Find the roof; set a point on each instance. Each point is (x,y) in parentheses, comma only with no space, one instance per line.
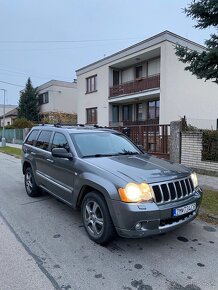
(12,113)
(154,40)
(57,83)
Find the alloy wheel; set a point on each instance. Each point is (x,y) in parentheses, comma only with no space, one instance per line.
(93,218)
(29,182)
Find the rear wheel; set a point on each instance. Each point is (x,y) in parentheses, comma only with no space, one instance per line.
(30,185)
(96,218)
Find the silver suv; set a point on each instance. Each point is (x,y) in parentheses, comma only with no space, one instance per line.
(119,188)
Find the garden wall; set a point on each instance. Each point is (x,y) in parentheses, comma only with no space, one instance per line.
(191,153)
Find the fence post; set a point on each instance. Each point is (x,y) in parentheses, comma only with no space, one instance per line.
(25,132)
(14,136)
(175,141)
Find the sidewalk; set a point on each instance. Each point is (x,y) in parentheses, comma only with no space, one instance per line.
(208,182)
(14,145)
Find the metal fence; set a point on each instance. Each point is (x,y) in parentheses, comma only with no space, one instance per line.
(14,135)
(154,138)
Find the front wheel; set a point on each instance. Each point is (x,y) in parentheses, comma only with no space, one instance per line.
(30,185)
(96,218)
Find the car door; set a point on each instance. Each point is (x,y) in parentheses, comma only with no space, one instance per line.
(42,156)
(61,170)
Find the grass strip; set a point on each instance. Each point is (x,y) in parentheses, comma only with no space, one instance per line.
(209,206)
(11,151)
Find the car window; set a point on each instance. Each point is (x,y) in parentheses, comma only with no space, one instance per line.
(43,140)
(32,137)
(106,143)
(60,141)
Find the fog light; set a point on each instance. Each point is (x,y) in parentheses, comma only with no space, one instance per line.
(138,226)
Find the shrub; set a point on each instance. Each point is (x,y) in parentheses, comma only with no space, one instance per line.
(210,146)
(22,123)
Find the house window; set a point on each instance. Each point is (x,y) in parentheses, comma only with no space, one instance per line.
(91,84)
(139,112)
(43,98)
(153,109)
(138,72)
(153,67)
(127,113)
(115,113)
(116,77)
(91,116)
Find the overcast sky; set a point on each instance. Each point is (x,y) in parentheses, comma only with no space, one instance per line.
(50,39)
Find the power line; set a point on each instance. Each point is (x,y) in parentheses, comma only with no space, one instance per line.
(66,41)
(11,84)
(42,77)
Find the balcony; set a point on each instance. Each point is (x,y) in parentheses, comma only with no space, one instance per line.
(135,86)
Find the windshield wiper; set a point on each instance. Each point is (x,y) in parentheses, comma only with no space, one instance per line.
(99,155)
(109,155)
(128,153)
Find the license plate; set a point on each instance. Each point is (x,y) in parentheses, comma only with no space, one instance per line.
(184,209)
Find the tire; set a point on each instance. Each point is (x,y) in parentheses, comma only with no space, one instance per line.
(96,218)
(30,185)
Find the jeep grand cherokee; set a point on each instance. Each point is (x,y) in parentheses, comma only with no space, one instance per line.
(119,188)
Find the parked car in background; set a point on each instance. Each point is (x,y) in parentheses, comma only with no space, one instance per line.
(119,188)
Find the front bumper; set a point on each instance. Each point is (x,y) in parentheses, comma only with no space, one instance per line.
(154,219)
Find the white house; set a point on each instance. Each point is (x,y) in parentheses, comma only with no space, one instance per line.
(58,96)
(146,83)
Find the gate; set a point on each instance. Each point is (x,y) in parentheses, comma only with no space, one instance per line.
(154,138)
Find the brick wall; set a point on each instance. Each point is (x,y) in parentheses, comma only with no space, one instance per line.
(191,148)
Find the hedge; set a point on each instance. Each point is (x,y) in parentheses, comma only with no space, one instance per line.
(210,146)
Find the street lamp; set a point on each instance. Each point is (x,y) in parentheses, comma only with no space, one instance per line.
(3,132)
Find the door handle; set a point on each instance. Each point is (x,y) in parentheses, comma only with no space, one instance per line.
(33,153)
(50,160)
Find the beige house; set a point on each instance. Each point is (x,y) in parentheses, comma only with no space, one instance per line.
(146,83)
(57,97)
(10,114)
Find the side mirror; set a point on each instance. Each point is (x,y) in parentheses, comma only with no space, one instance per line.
(61,153)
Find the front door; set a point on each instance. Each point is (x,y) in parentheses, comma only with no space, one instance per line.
(61,171)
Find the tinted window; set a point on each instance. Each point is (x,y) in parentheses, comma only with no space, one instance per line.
(43,140)
(60,141)
(32,137)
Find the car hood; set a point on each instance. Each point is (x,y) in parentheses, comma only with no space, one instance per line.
(140,168)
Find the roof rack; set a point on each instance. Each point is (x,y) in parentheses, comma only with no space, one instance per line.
(61,125)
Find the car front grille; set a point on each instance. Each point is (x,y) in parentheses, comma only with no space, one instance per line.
(173,190)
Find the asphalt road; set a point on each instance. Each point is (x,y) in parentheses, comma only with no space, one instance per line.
(43,241)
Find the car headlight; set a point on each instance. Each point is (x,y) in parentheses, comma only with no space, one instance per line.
(136,193)
(194,179)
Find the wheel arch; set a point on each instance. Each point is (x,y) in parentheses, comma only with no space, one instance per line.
(84,191)
(105,189)
(26,164)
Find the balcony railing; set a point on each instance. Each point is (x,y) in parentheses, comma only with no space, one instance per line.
(134,123)
(137,85)
(144,122)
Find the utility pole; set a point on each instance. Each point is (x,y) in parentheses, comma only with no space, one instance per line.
(3,144)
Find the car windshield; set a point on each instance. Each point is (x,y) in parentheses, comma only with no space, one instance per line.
(102,144)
